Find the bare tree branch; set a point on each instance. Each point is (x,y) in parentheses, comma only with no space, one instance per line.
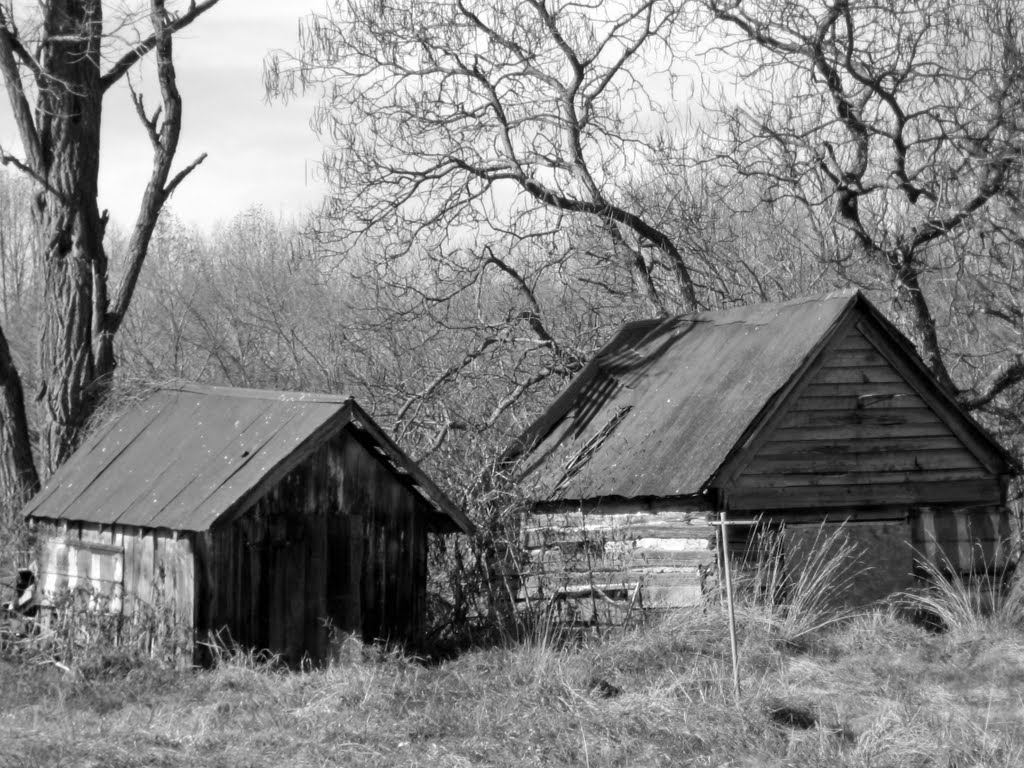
(139,51)
(889,114)
(60,70)
(1008,375)
(165,146)
(435,107)
(9,46)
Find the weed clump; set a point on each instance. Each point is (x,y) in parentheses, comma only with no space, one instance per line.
(967,605)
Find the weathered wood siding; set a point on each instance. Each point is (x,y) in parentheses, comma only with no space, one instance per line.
(860,434)
(966,540)
(889,545)
(338,544)
(394,553)
(279,576)
(605,560)
(144,574)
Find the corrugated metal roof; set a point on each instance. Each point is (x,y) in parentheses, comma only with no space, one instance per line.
(186,456)
(664,403)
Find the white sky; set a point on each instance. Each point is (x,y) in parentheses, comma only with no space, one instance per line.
(258,153)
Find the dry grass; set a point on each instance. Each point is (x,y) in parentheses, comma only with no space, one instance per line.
(874,690)
(794,606)
(969,606)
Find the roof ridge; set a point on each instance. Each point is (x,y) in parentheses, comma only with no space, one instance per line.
(701,316)
(796,301)
(259,394)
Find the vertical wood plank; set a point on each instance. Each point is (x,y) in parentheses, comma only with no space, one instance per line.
(258,592)
(146,584)
(243,610)
(131,572)
(186,591)
(354,547)
(319,615)
(201,591)
(296,593)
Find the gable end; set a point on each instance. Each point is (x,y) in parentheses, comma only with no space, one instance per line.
(973,437)
(865,427)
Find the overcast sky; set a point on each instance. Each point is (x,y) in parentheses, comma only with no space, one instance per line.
(259,153)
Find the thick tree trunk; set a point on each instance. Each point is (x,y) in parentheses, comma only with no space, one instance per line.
(66,364)
(18,477)
(70,228)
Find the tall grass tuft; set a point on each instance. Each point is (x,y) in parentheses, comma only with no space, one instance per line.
(796,603)
(968,605)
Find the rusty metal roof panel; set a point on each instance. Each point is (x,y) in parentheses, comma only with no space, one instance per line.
(665,402)
(185,457)
(103,449)
(264,444)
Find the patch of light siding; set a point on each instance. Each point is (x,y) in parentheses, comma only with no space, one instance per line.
(672,545)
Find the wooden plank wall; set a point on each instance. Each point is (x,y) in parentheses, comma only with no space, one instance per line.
(338,545)
(156,580)
(278,577)
(394,553)
(889,545)
(606,561)
(859,434)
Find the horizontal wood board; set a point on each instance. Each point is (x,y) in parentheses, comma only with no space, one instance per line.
(859,433)
(608,562)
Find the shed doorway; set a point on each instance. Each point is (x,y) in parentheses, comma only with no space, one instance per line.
(859,561)
(877,556)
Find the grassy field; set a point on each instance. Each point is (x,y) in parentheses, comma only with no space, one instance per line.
(870,691)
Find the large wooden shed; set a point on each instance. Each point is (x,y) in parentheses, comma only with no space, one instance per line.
(803,415)
(264,519)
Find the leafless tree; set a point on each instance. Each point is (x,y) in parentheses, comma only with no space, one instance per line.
(473,119)
(59,63)
(899,126)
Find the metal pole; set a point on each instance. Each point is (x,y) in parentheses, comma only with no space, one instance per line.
(723,529)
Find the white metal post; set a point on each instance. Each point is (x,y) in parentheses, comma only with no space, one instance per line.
(723,530)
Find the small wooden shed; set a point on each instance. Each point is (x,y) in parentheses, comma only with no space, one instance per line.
(262,518)
(804,415)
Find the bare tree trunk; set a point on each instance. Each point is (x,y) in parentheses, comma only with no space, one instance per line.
(66,364)
(18,477)
(61,140)
(69,227)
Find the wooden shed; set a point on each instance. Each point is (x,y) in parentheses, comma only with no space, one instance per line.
(266,519)
(803,415)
